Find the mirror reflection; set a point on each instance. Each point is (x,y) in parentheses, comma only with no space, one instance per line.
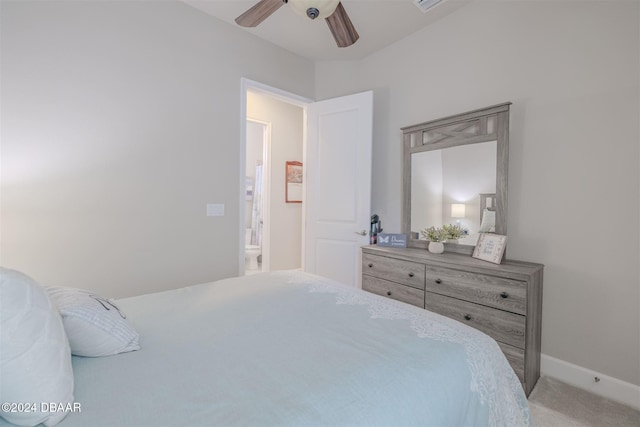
(455,185)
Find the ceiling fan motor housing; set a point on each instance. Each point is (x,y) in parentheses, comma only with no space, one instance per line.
(314,9)
(313,13)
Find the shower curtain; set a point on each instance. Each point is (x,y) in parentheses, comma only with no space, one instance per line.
(256,214)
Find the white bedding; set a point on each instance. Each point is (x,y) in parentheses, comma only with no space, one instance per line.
(292,349)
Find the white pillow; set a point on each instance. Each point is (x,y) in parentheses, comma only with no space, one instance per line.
(488,222)
(35,361)
(95,325)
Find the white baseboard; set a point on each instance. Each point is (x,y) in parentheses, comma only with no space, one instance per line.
(577,376)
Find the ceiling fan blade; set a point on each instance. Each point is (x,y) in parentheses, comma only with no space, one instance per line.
(341,27)
(258,13)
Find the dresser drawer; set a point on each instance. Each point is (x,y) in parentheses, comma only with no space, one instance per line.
(502,326)
(498,292)
(393,290)
(515,357)
(400,271)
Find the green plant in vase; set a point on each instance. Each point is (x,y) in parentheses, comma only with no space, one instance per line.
(433,234)
(452,232)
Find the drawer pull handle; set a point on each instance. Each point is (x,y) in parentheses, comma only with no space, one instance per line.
(504,295)
(410,274)
(467,317)
(370,265)
(438,281)
(388,293)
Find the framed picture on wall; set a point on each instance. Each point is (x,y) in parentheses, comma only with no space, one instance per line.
(293,177)
(490,247)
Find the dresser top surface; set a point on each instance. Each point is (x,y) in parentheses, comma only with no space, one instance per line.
(454,260)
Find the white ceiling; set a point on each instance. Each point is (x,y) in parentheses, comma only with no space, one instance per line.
(379,23)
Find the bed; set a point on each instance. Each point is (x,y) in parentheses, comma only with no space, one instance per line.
(292,349)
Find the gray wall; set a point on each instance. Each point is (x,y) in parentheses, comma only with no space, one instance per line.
(571,70)
(120,122)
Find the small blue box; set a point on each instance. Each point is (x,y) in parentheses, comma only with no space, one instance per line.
(392,240)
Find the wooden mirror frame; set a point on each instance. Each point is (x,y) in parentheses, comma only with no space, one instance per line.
(471,127)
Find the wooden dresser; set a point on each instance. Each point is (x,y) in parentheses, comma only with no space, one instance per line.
(504,301)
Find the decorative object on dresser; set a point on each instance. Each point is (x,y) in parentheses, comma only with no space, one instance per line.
(392,240)
(375,229)
(435,236)
(503,301)
(490,247)
(436,247)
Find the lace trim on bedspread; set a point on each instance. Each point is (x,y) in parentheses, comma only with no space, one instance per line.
(499,392)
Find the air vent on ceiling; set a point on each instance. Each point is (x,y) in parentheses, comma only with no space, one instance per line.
(426,5)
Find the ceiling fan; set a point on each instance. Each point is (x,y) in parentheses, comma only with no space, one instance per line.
(332,11)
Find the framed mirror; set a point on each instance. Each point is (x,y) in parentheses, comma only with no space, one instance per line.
(455,173)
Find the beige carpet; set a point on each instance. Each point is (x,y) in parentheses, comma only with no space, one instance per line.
(556,404)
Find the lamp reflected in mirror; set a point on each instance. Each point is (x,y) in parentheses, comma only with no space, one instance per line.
(458,211)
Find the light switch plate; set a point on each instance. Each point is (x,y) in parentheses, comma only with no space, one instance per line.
(215,209)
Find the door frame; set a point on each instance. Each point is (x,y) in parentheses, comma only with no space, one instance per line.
(248,85)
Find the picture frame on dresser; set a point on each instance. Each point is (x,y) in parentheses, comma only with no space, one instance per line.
(490,247)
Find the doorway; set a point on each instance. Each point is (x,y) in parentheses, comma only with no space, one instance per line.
(271,234)
(256,220)
(335,139)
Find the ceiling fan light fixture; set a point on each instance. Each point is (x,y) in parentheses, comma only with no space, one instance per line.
(314,9)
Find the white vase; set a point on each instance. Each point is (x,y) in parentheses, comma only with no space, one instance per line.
(436,247)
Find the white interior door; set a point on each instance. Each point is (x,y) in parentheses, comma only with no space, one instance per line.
(337,200)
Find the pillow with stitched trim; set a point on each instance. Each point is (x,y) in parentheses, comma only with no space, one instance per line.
(35,361)
(94,325)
